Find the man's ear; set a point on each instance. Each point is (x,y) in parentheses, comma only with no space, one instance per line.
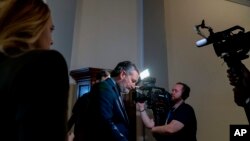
(123,74)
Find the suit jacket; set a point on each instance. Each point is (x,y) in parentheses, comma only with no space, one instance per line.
(108,118)
(34,91)
(78,117)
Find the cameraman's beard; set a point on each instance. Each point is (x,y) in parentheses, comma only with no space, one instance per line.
(176,100)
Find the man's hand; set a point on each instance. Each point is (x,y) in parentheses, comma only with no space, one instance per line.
(241,83)
(141,106)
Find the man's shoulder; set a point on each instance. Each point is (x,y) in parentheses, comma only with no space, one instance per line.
(104,87)
(186,106)
(108,83)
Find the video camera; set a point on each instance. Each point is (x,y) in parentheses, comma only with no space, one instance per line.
(156,98)
(230,46)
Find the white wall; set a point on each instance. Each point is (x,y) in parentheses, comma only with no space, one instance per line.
(155,54)
(107,32)
(211,94)
(63,16)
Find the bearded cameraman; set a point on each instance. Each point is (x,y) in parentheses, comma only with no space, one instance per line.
(180,124)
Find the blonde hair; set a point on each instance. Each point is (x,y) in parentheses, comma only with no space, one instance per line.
(22,22)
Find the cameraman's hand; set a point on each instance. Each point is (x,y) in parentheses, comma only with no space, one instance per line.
(141,106)
(242,78)
(241,83)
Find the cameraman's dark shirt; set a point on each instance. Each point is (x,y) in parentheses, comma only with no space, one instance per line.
(184,114)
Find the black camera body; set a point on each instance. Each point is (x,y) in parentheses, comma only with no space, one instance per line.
(156,98)
(232,47)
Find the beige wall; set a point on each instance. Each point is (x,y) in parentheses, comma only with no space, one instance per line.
(211,94)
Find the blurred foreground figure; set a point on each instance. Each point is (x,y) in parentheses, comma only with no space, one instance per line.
(241,83)
(34,80)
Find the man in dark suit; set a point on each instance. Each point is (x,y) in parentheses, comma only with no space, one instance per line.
(107,118)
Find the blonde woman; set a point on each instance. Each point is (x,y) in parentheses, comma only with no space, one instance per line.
(33,79)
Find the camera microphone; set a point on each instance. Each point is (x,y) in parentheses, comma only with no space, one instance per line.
(202,42)
(207,41)
(213,38)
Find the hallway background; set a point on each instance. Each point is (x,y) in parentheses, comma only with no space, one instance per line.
(156,34)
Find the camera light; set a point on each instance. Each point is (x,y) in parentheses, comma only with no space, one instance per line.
(144,74)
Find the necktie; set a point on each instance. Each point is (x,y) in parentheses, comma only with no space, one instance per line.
(121,102)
